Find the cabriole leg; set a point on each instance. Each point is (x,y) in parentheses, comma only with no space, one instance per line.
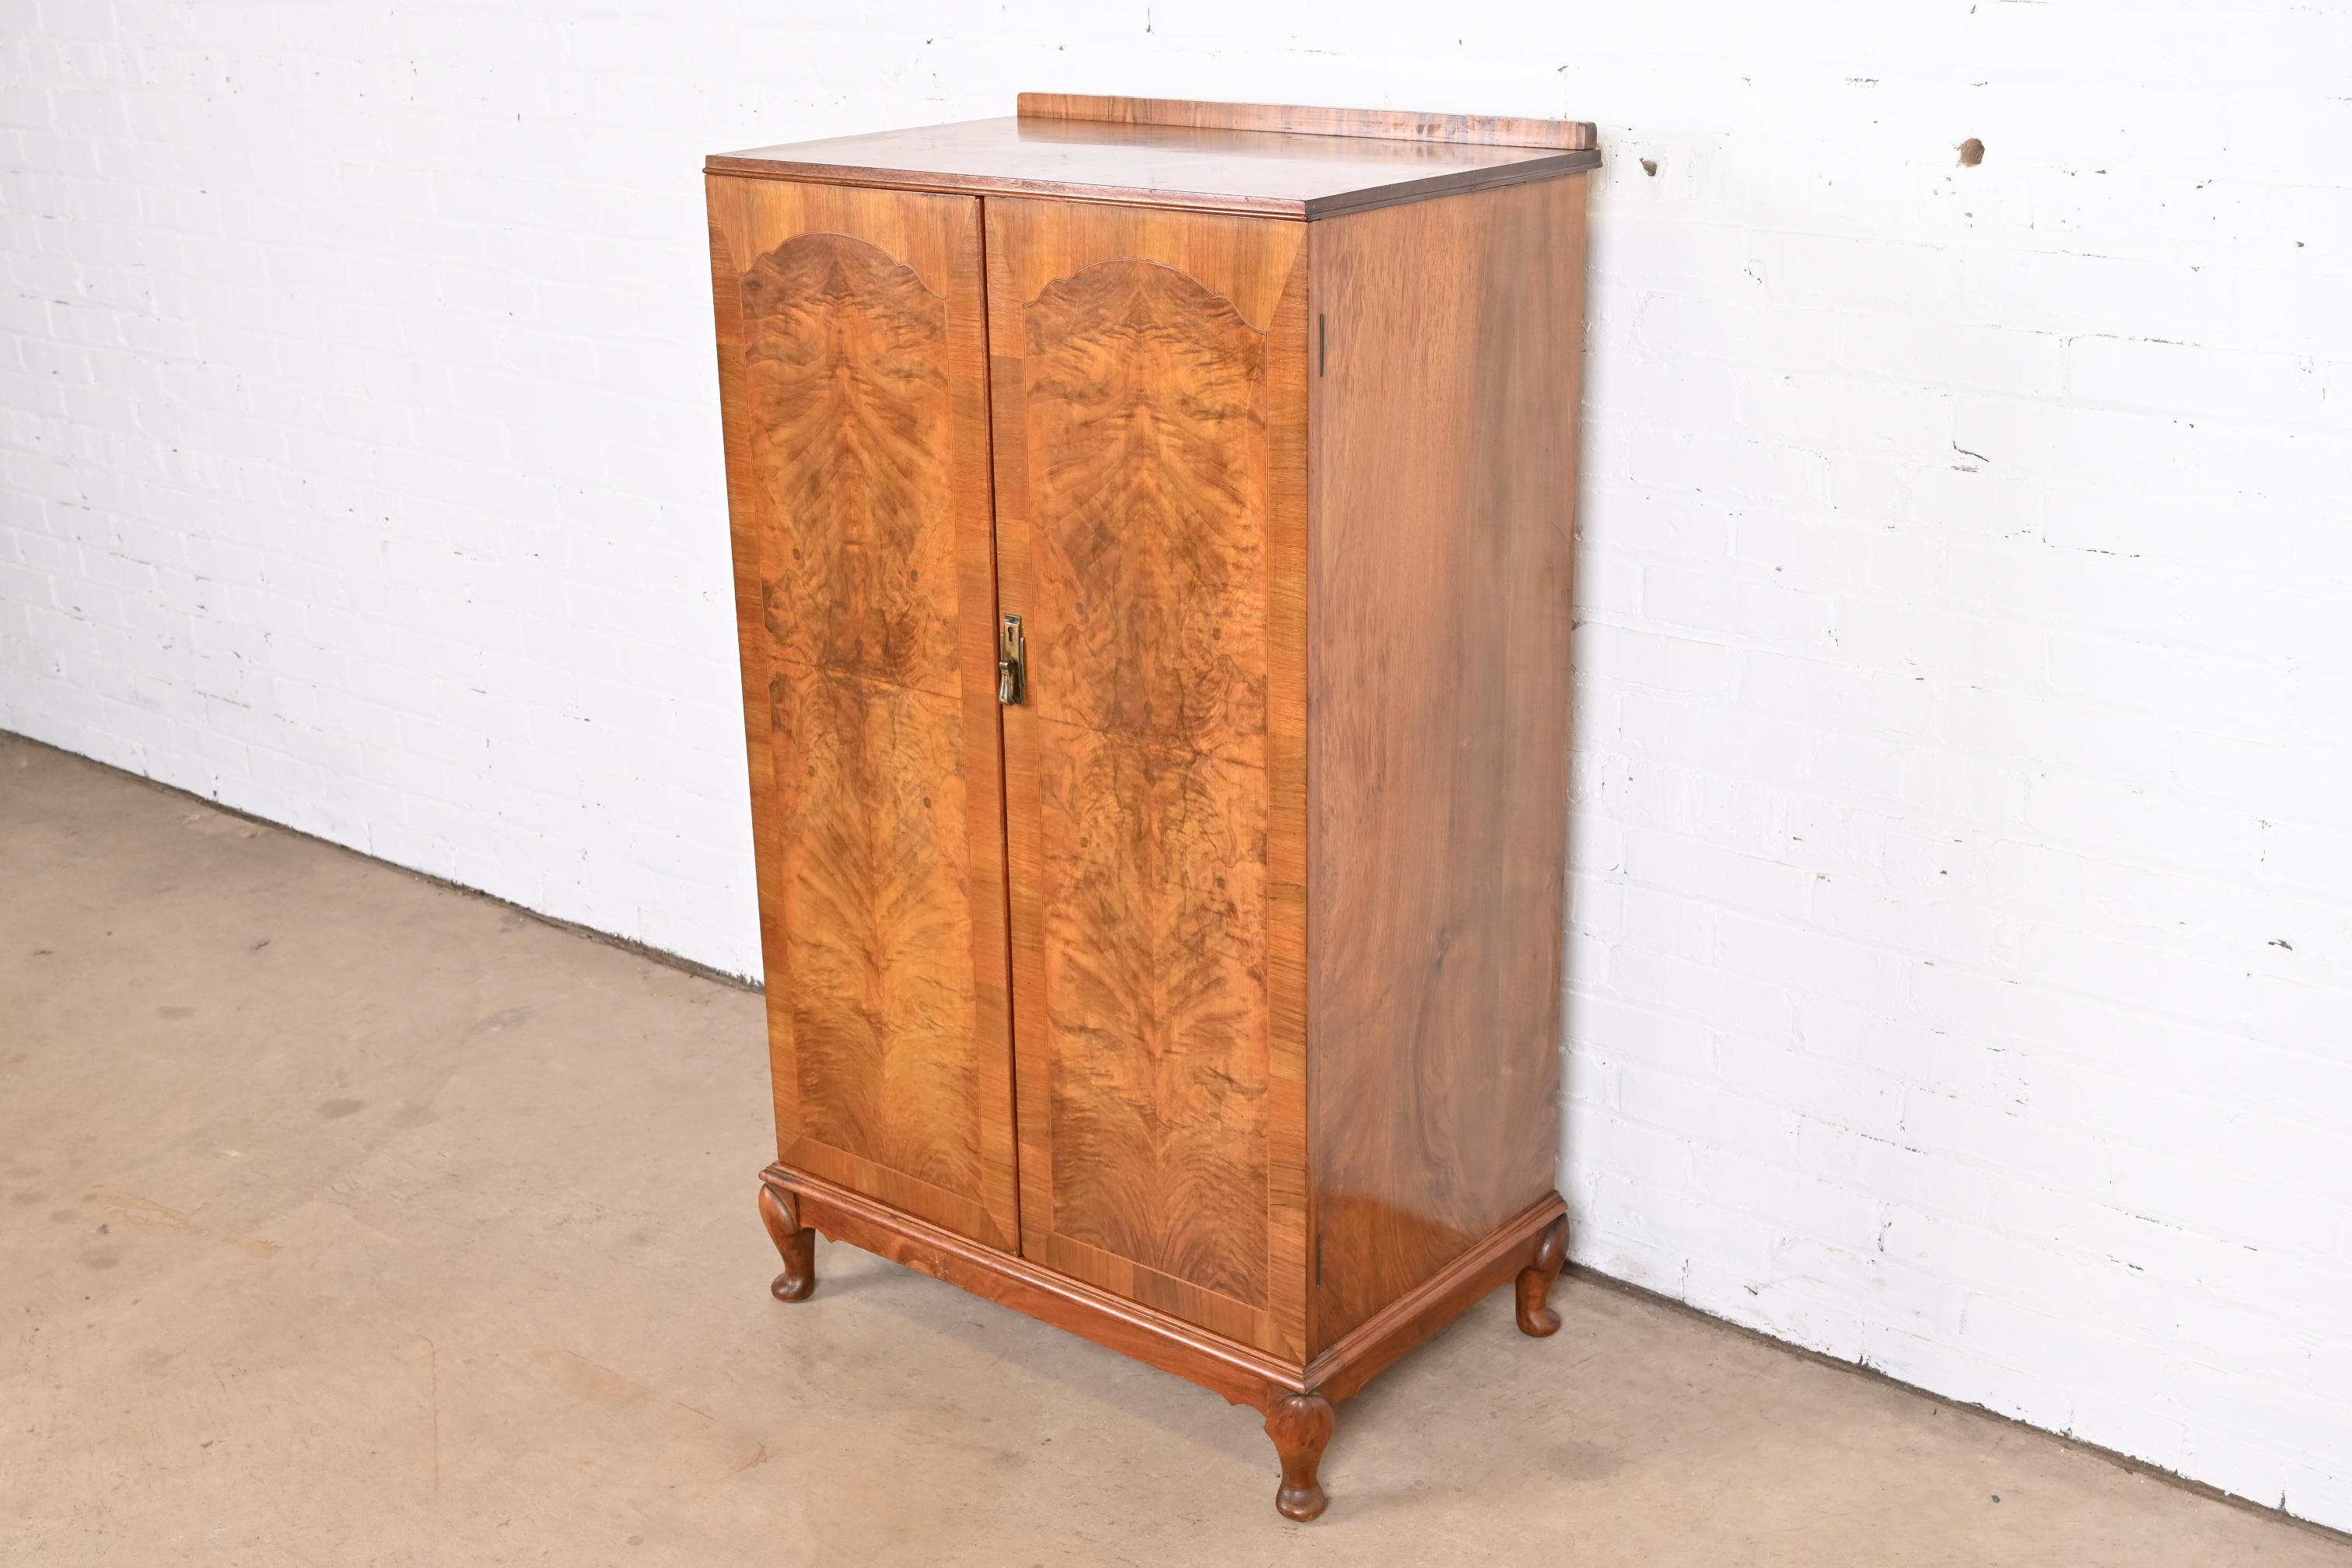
(795,1241)
(1535,1316)
(1300,1424)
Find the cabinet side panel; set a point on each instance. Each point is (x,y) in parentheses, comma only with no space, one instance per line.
(852,375)
(1443,486)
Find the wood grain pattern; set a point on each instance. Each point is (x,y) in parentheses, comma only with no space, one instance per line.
(1240,1373)
(1261,172)
(1145,395)
(851,377)
(1536,1319)
(1300,1426)
(1148,373)
(1154,906)
(1444,485)
(1413,1319)
(795,1243)
(1275,789)
(1397,124)
(845,365)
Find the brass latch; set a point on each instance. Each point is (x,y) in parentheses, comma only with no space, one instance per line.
(1012,660)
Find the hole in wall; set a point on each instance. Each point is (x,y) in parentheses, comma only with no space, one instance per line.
(1650,168)
(1971,152)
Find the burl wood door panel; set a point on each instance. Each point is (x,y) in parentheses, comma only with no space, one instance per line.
(1149,412)
(853,371)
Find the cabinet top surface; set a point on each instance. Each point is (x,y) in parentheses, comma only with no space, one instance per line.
(1276,160)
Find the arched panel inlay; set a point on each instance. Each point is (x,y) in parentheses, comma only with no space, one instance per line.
(846,353)
(1147,482)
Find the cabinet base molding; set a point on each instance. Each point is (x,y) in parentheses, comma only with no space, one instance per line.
(1416,1316)
(1535,1238)
(1244,1375)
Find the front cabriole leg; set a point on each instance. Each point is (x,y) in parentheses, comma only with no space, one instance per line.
(781,1213)
(1535,1316)
(1300,1424)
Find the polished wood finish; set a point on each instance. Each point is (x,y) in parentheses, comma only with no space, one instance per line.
(1204,1000)
(1377,1343)
(1243,1374)
(795,1243)
(1535,1316)
(1443,454)
(1203,167)
(1396,125)
(853,373)
(1300,1426)
(1150,420)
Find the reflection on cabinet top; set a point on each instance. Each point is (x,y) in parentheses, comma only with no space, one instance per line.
(1274,160)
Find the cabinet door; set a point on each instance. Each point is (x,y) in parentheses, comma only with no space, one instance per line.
(1149,402)
(852,368)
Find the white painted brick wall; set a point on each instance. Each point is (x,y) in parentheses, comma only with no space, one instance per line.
(1961,944)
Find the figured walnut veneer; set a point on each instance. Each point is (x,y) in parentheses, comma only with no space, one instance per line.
(1140,433)
(1204,1000)
(853,377)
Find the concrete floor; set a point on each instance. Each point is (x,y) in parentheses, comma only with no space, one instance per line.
(348,1219)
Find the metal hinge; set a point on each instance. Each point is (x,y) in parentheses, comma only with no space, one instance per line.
(1012,660)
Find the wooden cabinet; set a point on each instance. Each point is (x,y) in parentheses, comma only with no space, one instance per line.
(1152,529)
